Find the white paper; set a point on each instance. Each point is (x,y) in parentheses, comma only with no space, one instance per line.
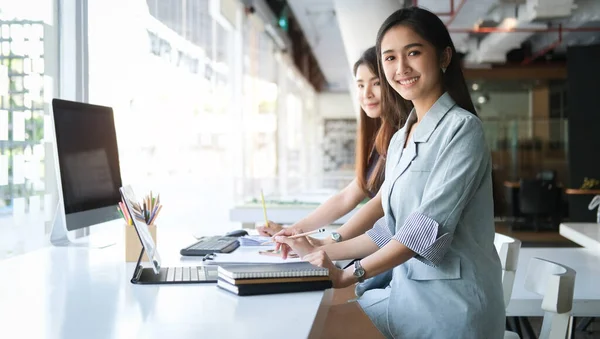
(254,240)
(249,255)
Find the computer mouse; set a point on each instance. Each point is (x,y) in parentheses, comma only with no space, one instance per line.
(237,233)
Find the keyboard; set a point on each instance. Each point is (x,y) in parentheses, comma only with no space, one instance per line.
(200,273)
(175,275)
(212,244)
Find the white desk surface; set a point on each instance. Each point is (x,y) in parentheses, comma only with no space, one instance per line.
(582,233)
(85,293)
(59,292)
(586,300)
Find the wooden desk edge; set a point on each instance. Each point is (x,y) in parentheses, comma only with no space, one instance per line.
(581,191)
(512,184)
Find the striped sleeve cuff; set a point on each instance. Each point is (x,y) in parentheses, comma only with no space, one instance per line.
(380,233)
(420,234)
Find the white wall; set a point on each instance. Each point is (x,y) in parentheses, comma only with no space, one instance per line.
(336,105)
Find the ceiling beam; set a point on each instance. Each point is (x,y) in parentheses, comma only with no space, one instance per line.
(530,72)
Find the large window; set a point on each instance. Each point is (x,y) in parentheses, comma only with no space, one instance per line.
(28,68)
(259,112)
(207,113)
(165,68)
(198,106)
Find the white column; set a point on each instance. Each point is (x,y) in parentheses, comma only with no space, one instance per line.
(282,84)
(359,21)
(236,147)
(72,85)
(73,35)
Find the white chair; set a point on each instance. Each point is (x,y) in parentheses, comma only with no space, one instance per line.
(508,250)
(555,282)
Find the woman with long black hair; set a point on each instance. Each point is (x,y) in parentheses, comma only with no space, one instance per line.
(437,233)
(373,139)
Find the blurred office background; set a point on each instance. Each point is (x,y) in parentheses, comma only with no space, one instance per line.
(215,100)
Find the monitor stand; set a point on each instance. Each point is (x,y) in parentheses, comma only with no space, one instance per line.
(60,237)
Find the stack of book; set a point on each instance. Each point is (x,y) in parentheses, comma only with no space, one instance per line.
(275,278)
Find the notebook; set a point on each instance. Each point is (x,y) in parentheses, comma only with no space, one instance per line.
(273,288)
(288,270)
(270,280)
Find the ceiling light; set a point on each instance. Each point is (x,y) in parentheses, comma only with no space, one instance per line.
(482,99)
(475,86)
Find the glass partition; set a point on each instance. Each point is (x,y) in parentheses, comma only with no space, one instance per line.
(523,148)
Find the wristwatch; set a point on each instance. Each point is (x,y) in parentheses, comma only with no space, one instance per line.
(336,237)
(359,271)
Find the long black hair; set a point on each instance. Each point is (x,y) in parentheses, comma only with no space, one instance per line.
(370,130)
(432,29)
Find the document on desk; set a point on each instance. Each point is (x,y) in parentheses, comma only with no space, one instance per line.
(248,255)
(253,240)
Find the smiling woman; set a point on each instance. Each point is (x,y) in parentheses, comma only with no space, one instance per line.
(422,69)
(437,233)
(373,138)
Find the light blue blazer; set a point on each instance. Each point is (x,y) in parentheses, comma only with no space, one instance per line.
(437,198)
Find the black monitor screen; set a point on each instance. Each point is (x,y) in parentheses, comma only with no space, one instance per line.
(87,154)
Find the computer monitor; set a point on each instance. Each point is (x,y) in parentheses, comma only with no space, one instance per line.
(88,164)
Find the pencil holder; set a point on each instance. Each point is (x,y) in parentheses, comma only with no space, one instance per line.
(133,246)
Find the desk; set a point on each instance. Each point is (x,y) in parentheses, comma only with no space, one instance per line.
(586,300)
(578,191)
(579,200)
(585,234)
(85,293)
(517,184)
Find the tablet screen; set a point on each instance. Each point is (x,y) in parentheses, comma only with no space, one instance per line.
(134,210)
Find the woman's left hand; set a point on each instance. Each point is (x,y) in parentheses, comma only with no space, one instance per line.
(321,259)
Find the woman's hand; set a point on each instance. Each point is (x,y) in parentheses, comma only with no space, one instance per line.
(337,276)
(318,242)
(273,228)
(299,245)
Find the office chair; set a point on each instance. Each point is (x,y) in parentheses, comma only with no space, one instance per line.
(547,176)
(511,199)
(556,284)
(539,198)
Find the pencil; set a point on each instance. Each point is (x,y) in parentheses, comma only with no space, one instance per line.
(262,197)
(155,215)
(126,215)
(320,230)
